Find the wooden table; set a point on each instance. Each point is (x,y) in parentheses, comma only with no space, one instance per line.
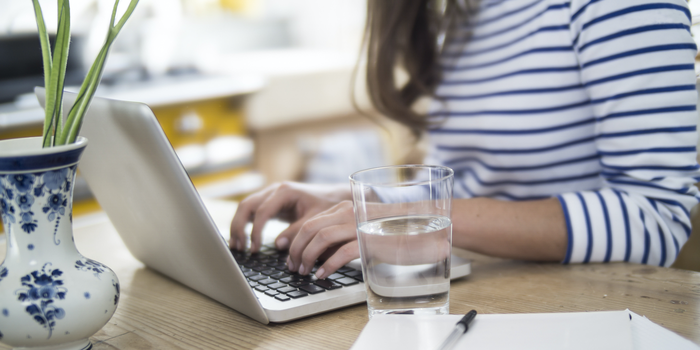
(157,313)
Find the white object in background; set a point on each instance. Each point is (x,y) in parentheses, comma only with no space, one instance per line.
(228,149)
(333,157)
(234,186)
(191,156)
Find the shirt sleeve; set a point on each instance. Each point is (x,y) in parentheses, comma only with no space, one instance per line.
(637,65)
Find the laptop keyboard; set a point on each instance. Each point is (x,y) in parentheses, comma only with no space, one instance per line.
(267,272)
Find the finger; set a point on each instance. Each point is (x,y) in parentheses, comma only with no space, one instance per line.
(284,239)
(311,227)
(329,252)
(283,196)
(345,254)
(244,213)
(240,219)
(304,236)
(325,238)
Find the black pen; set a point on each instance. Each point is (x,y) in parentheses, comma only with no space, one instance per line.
(460,328)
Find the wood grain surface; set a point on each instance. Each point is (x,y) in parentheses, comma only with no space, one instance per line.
(156,312)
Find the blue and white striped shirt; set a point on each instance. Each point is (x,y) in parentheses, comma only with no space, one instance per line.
(592,101)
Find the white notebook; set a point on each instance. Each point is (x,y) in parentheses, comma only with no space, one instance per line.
(618,330)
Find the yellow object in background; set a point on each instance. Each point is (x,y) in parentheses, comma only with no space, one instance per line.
(240,6)
(201,121)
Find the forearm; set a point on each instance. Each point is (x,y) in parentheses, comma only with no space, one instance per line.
(528,230)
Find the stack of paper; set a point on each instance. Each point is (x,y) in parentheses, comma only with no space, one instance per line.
(619,330)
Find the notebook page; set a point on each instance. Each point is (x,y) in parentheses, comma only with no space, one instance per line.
(555,331)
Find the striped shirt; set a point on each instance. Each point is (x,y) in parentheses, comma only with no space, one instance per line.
(589,101)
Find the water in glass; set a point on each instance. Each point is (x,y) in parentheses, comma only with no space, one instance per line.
(406,263)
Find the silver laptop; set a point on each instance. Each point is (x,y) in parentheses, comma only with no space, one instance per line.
(138,180)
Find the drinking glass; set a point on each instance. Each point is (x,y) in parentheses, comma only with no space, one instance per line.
(405,237)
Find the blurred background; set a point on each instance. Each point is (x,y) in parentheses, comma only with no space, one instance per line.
(249,92)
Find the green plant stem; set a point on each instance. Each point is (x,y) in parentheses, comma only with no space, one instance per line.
(56,131)
(46,55)
(60,61)
(92,80)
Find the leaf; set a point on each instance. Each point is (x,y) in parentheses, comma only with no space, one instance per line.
(58,71)
(33,309)
(46,55)
(40,320)
(87,90)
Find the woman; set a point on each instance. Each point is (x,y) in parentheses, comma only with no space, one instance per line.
(571,127)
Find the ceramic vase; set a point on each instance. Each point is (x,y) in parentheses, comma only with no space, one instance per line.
(51,297)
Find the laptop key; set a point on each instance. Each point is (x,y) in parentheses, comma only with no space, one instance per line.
(250,273)
(269,272)
(353,273)
(327,284)
(312,289)
(279,275)
(261,288)
(286,289)
(347,281)
(277,285)
(257,278)
(299,283)
(267,281)
(359,278)
(282,297)
(287,279)
(298,278)
(297,294)
(345,269)
(271,292)
(253,284)
(335,276)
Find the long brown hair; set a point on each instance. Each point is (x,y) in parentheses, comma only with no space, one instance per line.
(405,34)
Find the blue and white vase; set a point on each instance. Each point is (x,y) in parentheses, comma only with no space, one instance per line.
(51,297)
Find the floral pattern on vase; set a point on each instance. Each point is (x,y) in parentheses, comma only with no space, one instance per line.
(3,273)
(116,296)
(43,290)
(90,265)
(25,189)
(40,290)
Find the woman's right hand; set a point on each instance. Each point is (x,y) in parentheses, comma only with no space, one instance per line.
(289,201)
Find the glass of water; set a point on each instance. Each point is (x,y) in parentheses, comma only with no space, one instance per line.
(405,236)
